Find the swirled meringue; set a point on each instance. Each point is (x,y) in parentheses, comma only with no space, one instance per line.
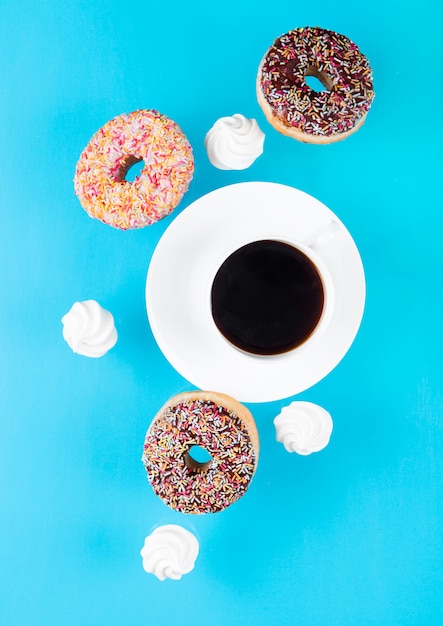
(303,427)
(234,143)
(89,329)
(169,552)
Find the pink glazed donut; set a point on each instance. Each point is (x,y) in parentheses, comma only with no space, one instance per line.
(146,136)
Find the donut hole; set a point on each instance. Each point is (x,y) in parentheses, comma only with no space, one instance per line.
(317,79)
(131,168)
(198,458)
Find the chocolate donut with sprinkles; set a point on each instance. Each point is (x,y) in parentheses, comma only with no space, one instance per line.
(100,176)
(293,107)
(227,432)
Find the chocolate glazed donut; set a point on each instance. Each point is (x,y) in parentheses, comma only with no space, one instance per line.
(297,110)
(213,421)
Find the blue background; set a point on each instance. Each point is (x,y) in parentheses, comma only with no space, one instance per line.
(352,535)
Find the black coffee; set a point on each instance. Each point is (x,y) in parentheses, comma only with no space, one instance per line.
(267,297)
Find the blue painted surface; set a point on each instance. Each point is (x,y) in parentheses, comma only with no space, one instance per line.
(350,536)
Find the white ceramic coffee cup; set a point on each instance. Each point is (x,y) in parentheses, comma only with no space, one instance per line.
(311,247)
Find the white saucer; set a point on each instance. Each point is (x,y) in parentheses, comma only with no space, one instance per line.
(180,277)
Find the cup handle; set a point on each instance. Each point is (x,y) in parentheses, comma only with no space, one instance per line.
(323,236)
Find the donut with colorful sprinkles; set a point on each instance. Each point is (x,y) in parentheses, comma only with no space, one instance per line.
(299,111)
(100,176)
(220,425)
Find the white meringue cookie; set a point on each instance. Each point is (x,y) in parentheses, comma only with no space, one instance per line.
(234,143)
(303,427)
(89,329)
(169,552)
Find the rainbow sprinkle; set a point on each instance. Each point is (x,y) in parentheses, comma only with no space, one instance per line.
(99,180)
(325,54)
(222,433)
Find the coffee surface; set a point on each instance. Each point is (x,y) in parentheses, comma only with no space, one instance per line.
(267,297)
